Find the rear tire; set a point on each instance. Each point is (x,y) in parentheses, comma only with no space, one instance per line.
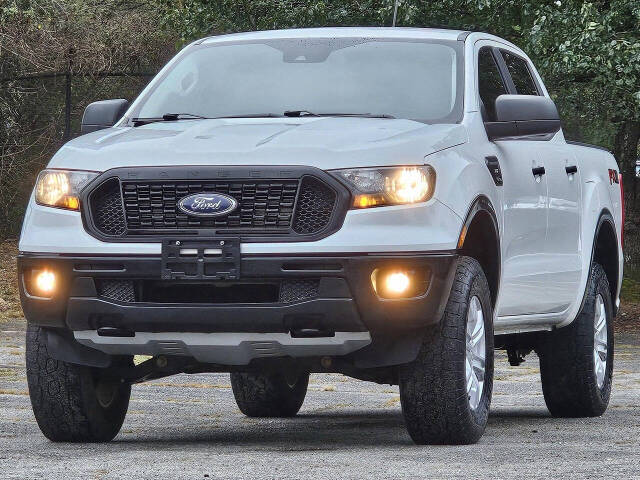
(576,377)
(269,395)
(72,403)
(437,404)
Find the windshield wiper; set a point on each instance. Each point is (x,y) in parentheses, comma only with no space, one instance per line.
(253,115)
(307,113)
(167,117)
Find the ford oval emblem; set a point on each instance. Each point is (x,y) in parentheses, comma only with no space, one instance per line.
(207,204)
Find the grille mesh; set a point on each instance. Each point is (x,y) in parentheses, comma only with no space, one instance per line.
(106,206)
(279,207)
(261,205)
(118,290)
(315,206)
(299,289)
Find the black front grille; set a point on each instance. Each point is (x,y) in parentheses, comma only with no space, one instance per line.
(266,205)
(300,205)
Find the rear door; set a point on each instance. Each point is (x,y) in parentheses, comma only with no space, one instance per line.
(522,287)
(561,263)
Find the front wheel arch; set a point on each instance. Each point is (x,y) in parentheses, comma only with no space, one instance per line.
(480,239)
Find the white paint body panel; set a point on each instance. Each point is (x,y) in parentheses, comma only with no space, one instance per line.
(546,227)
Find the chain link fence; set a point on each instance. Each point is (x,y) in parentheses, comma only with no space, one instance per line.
(38,114)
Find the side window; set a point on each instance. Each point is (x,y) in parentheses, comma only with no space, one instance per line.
(520,74)
(490,82)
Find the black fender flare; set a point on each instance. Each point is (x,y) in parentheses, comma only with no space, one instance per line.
(482,205)
(605,217)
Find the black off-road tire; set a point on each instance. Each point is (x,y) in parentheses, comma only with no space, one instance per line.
(433,389)
(269,395)
(567,367)
(70,402)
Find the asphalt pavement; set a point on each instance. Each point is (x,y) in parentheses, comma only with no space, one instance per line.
(188,427)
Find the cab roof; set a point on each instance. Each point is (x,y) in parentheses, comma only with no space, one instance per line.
(344,32)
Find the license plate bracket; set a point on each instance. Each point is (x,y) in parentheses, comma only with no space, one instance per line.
(215,258)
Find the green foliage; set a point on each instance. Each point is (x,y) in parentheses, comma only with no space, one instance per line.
(198,18)
(595,46)
(587,52)
(593,43)
(46,40)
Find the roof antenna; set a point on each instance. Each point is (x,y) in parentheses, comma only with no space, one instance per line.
(395,12)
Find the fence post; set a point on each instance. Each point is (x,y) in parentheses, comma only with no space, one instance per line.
(67,108)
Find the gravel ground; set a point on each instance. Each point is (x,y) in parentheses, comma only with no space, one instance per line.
(188,427)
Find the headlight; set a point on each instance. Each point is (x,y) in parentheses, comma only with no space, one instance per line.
(61,188)
(376,187)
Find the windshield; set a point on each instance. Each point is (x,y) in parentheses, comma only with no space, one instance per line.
(419,80)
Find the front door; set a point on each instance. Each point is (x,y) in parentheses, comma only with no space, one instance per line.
(522,286)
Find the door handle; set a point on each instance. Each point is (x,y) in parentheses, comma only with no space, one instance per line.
(538,171)
(571,169)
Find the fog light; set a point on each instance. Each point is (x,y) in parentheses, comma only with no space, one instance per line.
(45,283)
(397,283)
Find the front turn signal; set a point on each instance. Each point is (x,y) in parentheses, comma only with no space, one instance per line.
(61,188)
(378,187)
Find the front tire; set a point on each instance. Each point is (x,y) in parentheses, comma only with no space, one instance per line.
(576,362)
(269,395)
(446,392)
(72,403)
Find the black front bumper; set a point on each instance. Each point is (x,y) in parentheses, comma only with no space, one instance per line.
(345,300)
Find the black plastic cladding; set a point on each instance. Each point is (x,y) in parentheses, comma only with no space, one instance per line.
(292,290)
(111,207)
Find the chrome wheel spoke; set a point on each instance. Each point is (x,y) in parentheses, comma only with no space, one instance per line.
(600,341)
(475,352)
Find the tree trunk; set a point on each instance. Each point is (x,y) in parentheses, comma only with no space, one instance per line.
(626,151)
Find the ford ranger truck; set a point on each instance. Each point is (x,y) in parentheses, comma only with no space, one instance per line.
(391,204)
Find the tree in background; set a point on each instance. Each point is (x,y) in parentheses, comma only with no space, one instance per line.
(588,53)
(56,56)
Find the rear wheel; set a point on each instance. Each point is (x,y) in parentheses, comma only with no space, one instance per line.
(576,362)
(269,395)
(72,403)
(446,392)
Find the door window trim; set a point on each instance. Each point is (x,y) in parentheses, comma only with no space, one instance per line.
(506,83)
(502,64)
(503,70)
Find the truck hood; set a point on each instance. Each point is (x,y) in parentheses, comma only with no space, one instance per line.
(323,142)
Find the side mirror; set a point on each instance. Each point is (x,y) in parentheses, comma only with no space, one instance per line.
(518,115)
(103,114)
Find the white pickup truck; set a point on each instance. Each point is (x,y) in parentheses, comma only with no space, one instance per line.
(390,204)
